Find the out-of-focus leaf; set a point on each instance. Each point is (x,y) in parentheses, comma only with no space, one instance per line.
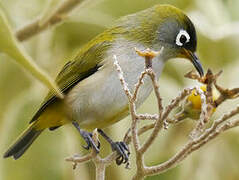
(10,46)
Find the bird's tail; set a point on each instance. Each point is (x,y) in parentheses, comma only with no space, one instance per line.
(22,143)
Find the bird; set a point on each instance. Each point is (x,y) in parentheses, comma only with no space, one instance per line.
(93,95)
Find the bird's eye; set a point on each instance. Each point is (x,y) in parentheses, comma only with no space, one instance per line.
(182,38)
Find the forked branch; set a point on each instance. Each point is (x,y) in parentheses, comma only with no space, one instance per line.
(199,135)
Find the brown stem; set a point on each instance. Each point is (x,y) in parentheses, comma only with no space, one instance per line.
(57,16)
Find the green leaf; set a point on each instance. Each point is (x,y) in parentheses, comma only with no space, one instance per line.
(10,46)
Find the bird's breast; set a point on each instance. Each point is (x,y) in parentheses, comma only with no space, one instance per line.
(99,100)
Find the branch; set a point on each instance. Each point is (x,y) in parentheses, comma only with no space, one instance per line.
(198,139)
(57,16)
(195,144)
(200,135)
(100,164)
(132,107)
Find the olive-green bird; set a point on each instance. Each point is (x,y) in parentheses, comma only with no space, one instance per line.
(94,97)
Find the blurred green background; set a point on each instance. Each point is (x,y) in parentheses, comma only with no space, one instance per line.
(217,23)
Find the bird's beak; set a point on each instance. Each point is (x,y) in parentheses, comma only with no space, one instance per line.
(195,61)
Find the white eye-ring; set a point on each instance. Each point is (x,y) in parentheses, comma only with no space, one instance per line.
(182,37)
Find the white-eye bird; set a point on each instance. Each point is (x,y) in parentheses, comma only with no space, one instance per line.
(94,97)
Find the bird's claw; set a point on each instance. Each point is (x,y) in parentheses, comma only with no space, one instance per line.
(123,152)
(90,142)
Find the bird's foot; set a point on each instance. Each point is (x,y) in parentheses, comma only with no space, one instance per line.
(88,138)
(123,152)
(89,141)
(121,148)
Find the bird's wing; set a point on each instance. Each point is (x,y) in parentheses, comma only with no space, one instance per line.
(64,86)
(86,63)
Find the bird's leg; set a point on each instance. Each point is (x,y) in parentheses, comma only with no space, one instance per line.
(87,137)
(120,147)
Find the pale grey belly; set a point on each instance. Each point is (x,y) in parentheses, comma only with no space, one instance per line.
(99,100)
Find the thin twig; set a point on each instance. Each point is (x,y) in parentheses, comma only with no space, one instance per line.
(147,116)
(57,16)
(100,163)
(128,138)
(137,86)
(159,124)
(204,114)
(159,121)
(195,144)
(132,107)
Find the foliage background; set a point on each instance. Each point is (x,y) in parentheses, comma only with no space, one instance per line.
(217,23)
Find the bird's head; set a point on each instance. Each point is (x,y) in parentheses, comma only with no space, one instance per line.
(168,27)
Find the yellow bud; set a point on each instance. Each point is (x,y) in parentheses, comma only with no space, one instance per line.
(192,106)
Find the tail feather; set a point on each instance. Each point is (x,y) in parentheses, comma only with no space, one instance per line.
(22,143)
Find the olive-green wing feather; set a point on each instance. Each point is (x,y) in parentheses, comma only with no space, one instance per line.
(87,62)
(64,88)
